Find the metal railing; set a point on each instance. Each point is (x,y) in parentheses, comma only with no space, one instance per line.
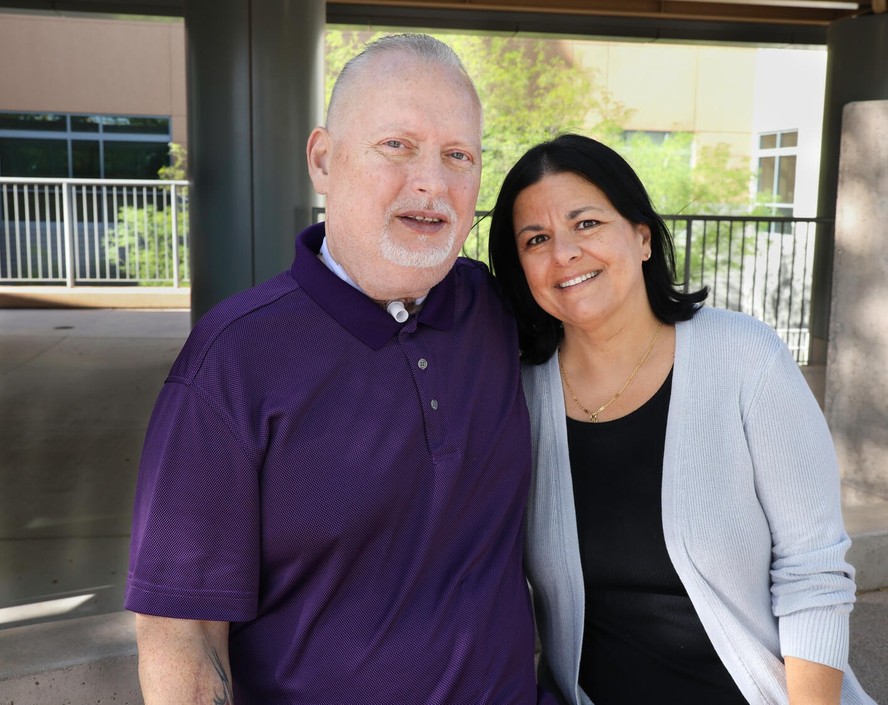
(759,265)
(121,232)
(93,231)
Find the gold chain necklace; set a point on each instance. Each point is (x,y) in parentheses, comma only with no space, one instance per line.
(593,415)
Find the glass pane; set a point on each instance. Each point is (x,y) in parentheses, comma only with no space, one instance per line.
(85,154)
(789,139)
(134,160)
(768,141)
(766,176)
(33,121)
(786,180)
(33,157)
(140,125)
(85,123)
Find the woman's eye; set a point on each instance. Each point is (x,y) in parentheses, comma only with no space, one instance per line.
(536,240)
(586,224)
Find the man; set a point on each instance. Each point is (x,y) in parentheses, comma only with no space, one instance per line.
(331,494)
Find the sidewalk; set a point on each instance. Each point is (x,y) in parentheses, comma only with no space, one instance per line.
(76,389)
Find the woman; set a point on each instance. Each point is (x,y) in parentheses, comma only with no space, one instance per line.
(685,543)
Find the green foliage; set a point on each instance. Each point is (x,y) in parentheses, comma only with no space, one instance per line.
(145,234)
(145,244)
(707,185)
(178,167)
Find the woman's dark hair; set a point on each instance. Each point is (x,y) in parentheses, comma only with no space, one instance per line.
(539,333)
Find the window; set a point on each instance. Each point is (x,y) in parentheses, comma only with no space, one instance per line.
(83,146)
(777,170)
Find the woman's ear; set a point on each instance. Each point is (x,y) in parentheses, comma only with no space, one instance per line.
(646,245)
(317,152)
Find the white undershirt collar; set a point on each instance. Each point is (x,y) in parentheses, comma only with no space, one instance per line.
(340,272)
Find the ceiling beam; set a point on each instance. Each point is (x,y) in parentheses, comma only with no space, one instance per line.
(745,21)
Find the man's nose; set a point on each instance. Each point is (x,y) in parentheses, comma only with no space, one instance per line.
(429,176)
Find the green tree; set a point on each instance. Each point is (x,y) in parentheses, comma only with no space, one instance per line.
(144,233)
(178,166)
(680,183)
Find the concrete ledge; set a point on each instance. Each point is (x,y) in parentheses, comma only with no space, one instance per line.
(94,297)
(80,661)
(867,524)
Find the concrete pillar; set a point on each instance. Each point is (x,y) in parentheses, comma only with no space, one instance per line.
(855,71)
(255,91)
(856,383)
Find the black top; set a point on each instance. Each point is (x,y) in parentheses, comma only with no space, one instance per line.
(644,642)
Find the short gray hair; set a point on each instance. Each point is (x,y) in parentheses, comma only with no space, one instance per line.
(420,46)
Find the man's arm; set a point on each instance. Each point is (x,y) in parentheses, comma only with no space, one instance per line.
(183,661)
(812,683)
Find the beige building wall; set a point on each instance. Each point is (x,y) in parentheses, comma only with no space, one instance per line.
(679,88)
(93,66)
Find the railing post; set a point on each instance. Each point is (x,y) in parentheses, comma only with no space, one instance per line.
(687,268)
(68,227)
(175,235)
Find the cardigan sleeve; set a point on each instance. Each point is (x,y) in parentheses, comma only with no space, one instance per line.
(797,481)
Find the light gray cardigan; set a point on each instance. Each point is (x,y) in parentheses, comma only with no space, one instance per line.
(751,511)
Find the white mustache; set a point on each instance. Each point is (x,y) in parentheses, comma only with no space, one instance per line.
(427,256)
(421,204)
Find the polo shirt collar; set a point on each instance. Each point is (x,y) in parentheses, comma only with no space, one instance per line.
(354,310)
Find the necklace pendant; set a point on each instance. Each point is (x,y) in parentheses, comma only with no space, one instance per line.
(593,418)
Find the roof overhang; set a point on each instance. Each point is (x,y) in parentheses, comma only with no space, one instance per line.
(762,21)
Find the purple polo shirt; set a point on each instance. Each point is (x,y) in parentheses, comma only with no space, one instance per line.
(347,491)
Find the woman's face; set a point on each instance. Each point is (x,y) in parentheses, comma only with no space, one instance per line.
(582,259)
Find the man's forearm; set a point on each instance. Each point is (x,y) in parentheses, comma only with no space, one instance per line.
(183,662)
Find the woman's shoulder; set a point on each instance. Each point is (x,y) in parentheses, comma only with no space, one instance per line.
(731,331)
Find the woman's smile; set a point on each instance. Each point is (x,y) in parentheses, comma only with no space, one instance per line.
(578,280)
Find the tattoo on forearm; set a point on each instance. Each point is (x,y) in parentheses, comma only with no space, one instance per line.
(227,696)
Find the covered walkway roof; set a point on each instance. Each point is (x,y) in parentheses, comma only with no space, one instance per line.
(780,21)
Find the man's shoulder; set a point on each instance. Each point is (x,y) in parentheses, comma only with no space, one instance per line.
(472,268)
(475,275)
(239,320)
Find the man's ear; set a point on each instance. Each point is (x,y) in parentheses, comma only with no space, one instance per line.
(317,151)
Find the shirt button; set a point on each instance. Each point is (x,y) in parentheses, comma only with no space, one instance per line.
(423,363)
(434,404)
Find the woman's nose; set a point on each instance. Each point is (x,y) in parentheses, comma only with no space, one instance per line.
(566,249)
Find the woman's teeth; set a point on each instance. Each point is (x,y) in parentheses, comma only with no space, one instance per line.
(577,280)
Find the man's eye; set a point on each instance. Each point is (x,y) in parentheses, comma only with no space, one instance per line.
(394,144)
(461,156)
